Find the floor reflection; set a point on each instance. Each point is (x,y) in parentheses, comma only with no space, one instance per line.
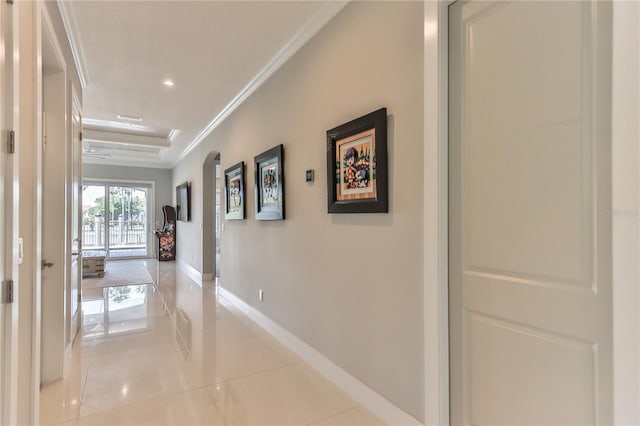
(173,352)
(115,310)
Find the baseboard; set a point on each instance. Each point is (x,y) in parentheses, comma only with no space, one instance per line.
(192,272)
(363,394)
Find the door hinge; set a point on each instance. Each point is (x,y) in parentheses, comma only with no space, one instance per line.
(80,136)
(7,291)
(11,142)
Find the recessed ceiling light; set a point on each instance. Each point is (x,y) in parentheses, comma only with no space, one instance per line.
(129,117)
(168,83)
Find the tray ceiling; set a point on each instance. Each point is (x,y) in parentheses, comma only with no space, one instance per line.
(215,53)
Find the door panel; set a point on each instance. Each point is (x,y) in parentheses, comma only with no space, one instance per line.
(54,228)
(548,365)
(94,217)
(530,284)
(76,219)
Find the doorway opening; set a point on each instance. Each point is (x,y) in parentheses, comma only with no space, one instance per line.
(211,219)
(116,219)
(218,219)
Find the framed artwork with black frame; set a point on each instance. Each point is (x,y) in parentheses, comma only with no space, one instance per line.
(357,165)
(235,208)
(269,184)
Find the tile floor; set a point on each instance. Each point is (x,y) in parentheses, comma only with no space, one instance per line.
(175,353)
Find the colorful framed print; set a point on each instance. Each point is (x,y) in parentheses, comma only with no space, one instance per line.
(234,192)
(357,165)
(269,184)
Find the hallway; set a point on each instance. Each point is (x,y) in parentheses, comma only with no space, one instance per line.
(176,353)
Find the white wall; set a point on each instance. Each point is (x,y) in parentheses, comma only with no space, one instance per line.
(348,285)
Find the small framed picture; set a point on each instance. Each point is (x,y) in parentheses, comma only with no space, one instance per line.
(234,192)
(269,184)
(357,165)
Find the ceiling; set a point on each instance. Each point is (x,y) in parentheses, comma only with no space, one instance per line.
(215,52)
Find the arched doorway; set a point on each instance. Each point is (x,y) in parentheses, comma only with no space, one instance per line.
(210,216)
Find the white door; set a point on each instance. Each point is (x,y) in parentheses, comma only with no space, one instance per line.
(76,219)
(54,233)
(530,225)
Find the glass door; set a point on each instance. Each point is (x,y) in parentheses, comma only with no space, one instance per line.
(93,218)
(128,231)
(116,219)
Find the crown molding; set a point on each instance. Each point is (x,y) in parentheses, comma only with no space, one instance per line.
(150,164)
(317,21)
(92,135)
(71,28)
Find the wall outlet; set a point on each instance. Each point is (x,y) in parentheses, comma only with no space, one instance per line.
(260,295)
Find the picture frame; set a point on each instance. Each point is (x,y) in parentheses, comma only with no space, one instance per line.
(357,178)
(269,184)
(235,206)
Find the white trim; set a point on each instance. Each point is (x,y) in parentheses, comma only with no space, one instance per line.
(192,272)
(71,28)
(9,217)
(317,21)
(55,43)
(625,133)
(111,162)
(435,229)
(364,395)
(122,182)
(35,194)
(75,111)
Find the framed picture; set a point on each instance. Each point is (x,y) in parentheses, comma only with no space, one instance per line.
(234,192)
(269,186)
(357,165)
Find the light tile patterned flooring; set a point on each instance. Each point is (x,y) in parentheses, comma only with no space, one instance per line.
(174,353)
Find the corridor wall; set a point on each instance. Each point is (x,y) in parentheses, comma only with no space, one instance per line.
(348,285)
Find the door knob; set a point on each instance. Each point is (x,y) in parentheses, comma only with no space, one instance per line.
(46,264)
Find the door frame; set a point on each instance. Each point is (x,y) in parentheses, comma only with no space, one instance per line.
(435,216)
(625,215)
(151,209)
(9,168)
(74,324)
(54,243)
(625,153)
(209,188)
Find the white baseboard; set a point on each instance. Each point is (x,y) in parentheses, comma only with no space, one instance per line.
(363,394)
(192,272)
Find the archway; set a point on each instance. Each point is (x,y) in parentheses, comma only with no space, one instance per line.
(210,201)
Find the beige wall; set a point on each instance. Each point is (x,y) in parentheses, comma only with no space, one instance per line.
(348,285)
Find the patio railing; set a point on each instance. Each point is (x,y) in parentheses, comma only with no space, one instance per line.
(122,233)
